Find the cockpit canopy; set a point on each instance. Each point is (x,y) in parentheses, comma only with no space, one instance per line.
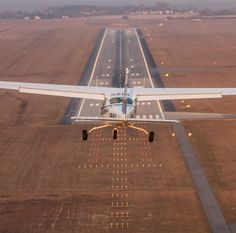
(120,100)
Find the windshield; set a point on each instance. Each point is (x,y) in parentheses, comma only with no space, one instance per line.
(119,100)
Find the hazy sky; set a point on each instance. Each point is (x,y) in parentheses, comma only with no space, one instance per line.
(39,4)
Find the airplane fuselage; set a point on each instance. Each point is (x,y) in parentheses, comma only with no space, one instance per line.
(119,105)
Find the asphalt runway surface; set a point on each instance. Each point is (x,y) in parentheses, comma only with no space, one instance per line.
(120,49)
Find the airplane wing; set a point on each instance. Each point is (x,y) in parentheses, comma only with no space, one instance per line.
(97,93)
(144,94)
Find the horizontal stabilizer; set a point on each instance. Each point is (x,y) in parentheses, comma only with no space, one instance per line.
(96,119)
(137,120)
(152,120)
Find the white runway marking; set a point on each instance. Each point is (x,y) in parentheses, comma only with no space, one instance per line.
(148,103)
(91,105)
(147,116)
(108,75)
(93,71)
(97,104)
(149,75)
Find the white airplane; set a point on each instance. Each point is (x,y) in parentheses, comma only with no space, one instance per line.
(120,104)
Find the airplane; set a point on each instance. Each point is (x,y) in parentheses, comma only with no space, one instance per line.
(120,104)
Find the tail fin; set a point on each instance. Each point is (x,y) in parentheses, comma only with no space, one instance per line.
(126,77)
(124,109)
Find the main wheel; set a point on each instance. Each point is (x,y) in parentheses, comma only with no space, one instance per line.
(151,136)
(115,133)
(85,135)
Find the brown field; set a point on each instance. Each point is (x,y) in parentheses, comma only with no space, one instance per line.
(50,181)
(203,54)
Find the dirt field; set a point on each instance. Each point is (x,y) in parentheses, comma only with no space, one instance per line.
(50,181)
(203,54)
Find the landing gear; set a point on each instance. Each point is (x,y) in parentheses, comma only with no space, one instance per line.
(151,136)
(85,135)
(114,133)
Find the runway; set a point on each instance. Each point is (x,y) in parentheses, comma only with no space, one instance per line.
(120,49)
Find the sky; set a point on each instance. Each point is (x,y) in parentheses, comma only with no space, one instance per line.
(42,4)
